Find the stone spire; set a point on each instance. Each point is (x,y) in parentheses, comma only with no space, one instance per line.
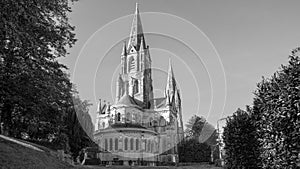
(136,33)
(177,99)
(99,107)
(124,58)
(124,50)
(171,85)
(119,88)
(143,45)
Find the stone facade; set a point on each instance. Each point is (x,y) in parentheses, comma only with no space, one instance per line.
(139,129)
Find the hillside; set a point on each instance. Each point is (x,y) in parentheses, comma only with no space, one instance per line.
(23,155)
(14,155)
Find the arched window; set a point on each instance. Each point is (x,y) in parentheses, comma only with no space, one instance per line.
(164,146)
(149,144)
(152,147)
(131,64)
(128,119)
(131,144)
(139,118)
(151,122)
(110,144)
(106,145)
(135,118)
(162,121)
(99,126)
(145,146)
(136,86)
(154,123)
(116,144)
(125,143)
(119,117)
(137,144)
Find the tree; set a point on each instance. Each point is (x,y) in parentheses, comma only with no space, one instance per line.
(198,133)
(76,132)
(194,126)
(79,126)
(192,151)
(37,99)
(35,89)
(276,109)
(241,145)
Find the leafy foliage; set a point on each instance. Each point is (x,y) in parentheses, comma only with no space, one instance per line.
(268,135)
(79,126)
(36,95)
(277,115)
(241,145)
(34,86)
(194,126)
(193,151)
(200,140)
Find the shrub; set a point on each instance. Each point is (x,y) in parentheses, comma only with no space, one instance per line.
(241,145)
(193,151)
(277,114)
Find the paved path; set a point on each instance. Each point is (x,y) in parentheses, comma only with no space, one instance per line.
(21,143)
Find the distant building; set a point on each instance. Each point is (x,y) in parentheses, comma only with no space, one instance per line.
(139,129)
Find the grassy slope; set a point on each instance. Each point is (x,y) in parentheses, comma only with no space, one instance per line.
(160,167)
(13,155)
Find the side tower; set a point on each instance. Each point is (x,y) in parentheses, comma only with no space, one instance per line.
(173,102)
(135,78)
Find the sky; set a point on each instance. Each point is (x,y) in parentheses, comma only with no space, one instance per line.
(219,49)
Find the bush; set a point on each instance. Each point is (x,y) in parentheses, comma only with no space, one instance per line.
(277,115)
(218,162)
(241,145)
(193,151)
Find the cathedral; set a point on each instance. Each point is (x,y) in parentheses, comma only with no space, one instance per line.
(139,129)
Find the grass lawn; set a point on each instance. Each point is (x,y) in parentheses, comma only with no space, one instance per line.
(16,156)
(13,155)
(160,167)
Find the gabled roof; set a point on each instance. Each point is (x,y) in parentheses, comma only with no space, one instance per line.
(207,132)
(158,102)
(127,100)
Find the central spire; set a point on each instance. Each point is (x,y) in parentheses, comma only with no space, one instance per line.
(136,78)
(136,33)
